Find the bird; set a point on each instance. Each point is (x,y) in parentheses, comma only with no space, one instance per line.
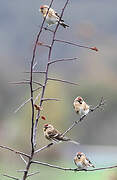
(54,135)
(82,162)
(52,17)
(80,106)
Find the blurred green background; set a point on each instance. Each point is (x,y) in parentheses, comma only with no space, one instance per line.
(92,23)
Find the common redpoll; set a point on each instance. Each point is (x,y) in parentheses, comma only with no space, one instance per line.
(52,16)
(82,162)
(80,106)
(54,135)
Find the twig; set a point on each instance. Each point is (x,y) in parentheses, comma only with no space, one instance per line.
(17,152)
(62,60)
(72,169)
(37,97)
(47,146)
(35,72)
(11,177)
(35,82)
(19,82)
(77,45)
(23,159)
(47,29)
(50,99)
(33,174)
(21,170)
(36,89)
(63,81)
(34,65)
(41,44)
(25,102)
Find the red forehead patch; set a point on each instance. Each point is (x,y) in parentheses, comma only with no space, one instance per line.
(79,98)
(41,7)
(79,153)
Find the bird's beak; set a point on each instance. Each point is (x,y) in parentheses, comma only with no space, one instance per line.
(78,157)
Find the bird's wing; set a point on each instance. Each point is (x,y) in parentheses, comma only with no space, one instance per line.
(58,16)
(86,107)
(54,14)
(75,161)
(53,133)
(77,107)
(89,162)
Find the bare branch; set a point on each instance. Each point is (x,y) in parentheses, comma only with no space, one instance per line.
(52,166)
(32,174)
(47,29)
(43,148)
(22,105)
(11,177)
(77,45)
(72,169)
(35,82)
(36,89)
(34,65)
(50,99)
(23,159)
(19,82)
(35,72)
(17,152)
(62,60)
(63,81)
(45,45)
(21,171)
(37,97)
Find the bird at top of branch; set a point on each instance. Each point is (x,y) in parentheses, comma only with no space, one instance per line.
(82,162)
(52,17)
(80,106)
(54,135)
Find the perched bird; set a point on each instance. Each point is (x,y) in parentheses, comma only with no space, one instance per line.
(82,162)
(52,16)
(54,135)
(80,106)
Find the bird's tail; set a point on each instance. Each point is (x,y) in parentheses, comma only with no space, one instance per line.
(63,24)
(93,166)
